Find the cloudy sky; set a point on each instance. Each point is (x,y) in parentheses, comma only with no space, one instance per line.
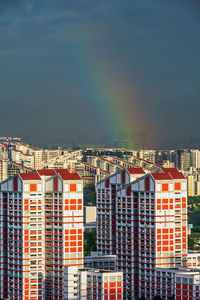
(78,71)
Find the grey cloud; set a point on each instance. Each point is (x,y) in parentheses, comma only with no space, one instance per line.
(153,45)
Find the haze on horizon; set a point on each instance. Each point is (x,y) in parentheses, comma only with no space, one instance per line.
(51,53)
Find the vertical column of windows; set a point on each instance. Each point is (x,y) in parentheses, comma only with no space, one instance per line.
(14,245)
(34,245)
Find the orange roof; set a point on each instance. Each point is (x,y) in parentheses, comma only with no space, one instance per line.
(136,171)
(30,176)
(175,174)
(46,172)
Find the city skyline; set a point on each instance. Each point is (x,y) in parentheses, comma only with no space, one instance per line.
(88,73)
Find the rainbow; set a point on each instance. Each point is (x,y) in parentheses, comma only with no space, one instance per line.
(110,97)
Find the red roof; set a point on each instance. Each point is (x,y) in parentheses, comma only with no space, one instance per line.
(175,174)
(29,176)
(136,171)
(46,172)
(66,175)
(161,176)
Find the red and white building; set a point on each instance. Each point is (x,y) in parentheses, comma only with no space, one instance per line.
(94,284)
(144,222)
(41,231)
(187,284)
(106,207)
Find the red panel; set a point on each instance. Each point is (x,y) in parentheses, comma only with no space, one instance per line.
(147,185)
(107,183)
(123,177)
(165,187)
(128,190)
(15,184)
(55,184)
(177,186)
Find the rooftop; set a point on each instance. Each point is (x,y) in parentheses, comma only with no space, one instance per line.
(175,174)
(30,176)
(136,171)
(161,176)
(66,175)
(46,172)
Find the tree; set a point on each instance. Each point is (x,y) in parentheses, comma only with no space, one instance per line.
(193,238)
(89,195)
(89,242)
(142,298)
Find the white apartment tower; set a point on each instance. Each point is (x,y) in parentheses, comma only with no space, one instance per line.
(41,232)
(148,230)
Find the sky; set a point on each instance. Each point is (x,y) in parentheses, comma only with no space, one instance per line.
(97,72)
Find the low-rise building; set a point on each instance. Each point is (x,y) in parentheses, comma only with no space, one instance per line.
(187,284)
(90,218)
(193,258)
(99,284)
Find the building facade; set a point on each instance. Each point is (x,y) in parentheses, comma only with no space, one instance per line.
(41,233)
(106,208)
(99,285)
(143,222)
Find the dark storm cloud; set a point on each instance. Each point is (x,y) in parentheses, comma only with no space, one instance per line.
(155,42)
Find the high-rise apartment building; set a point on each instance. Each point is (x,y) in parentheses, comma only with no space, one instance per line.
(3,166)
(49,154)
(106,208)
(144,222)
(195,157)
(41,231)
(32,151)
(191,185)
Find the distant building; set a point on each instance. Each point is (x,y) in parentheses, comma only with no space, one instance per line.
(89,218)
(3,166)
(193,258)
(49,154)
(190,183)
(28,150)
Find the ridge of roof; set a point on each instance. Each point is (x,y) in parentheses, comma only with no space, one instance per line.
(46,172)
(66,175)
(161,176)
(175,174)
